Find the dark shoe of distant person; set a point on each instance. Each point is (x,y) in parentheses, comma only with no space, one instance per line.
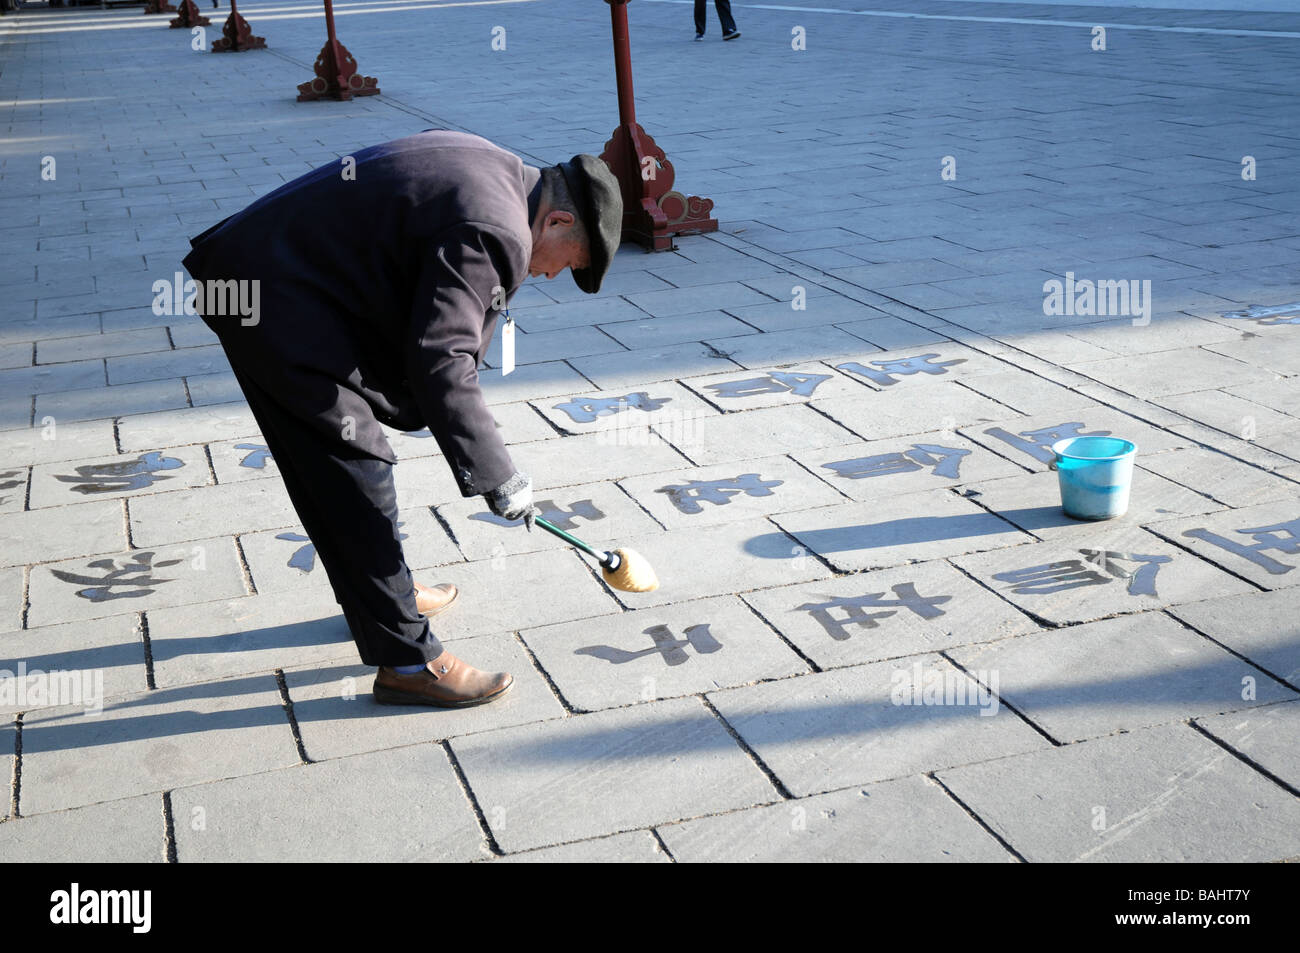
(733,35)
(698,37)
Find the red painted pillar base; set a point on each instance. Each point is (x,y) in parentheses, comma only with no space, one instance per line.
(336,70)
(189,16)
(237,35)
(337,76)
(158,6)
(653,212)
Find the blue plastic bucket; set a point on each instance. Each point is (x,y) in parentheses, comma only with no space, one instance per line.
(1095,474)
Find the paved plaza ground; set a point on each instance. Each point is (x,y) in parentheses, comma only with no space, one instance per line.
(826,425)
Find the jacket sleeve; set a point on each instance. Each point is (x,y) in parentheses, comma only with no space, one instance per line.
(452,321)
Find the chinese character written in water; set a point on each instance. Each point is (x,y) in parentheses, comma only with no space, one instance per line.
(256,459)
(685,496)
(671,650)
(945,460)
(585,410)
(852,612)
(8,484)
(883,372)
(1276,314)
(1038,443)
(121,474)
(552,512)
(1077,573)
(773,382)
(304,557)
(135,578)
(1266,538)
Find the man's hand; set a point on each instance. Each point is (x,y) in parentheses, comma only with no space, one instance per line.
(513,500)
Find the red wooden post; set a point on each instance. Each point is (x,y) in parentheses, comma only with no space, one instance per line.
(336,70)
(237,35)
(189,17)
(653,211)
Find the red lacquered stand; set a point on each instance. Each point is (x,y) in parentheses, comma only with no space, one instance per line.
(653,212)
(336,70)
(237,35)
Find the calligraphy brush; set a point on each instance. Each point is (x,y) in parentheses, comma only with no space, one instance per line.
(624,569)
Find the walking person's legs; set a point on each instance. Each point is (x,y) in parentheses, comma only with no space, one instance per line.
(701,16)
(725,18)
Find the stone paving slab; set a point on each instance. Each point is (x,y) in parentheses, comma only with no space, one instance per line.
(129,831)
(174,428)
(1266,736)
(564,588)
(878,469)
(700,496)
(630,768)
(773,387)
(119,475)
(593,457)
(1170,372)
(83,589)
(107,659)
(241,636)
(1029,393)
(284,560)
(790,347)
(622,370)
(635,847)
(518,423)
(1118,675)
(116,343)
(337,715)
(1279,395)
(8,738)
(1144,796)
(400,805)
(833,729)
(1260,626)
(1259,353)
(658,332)
(891,333)
(204,512)
(13,489)
(532,381)
(945,405)
(888,613)
(913,527)
(596,512)
(1220,477)
(1228,412)
(60,532)
(910,820)
(665,404)
(719,560)
(750,434)
(1028,440)
(153,741)
(95,403)
(61,441)
(241,459)
(663,652)
(1092,576)
(12,596)
(1256,542)
(1032,501)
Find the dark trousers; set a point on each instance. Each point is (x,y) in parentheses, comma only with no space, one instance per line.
(348,506)
(724,16)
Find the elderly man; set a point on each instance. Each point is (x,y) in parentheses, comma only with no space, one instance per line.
(380,278)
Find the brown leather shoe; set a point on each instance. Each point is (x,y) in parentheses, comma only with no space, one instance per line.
(446,682)
(432,600)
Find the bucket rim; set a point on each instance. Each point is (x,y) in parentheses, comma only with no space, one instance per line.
(1058,449)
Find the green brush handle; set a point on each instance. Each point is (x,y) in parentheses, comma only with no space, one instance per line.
(605,558)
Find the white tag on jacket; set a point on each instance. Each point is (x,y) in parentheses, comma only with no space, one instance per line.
(508,345)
